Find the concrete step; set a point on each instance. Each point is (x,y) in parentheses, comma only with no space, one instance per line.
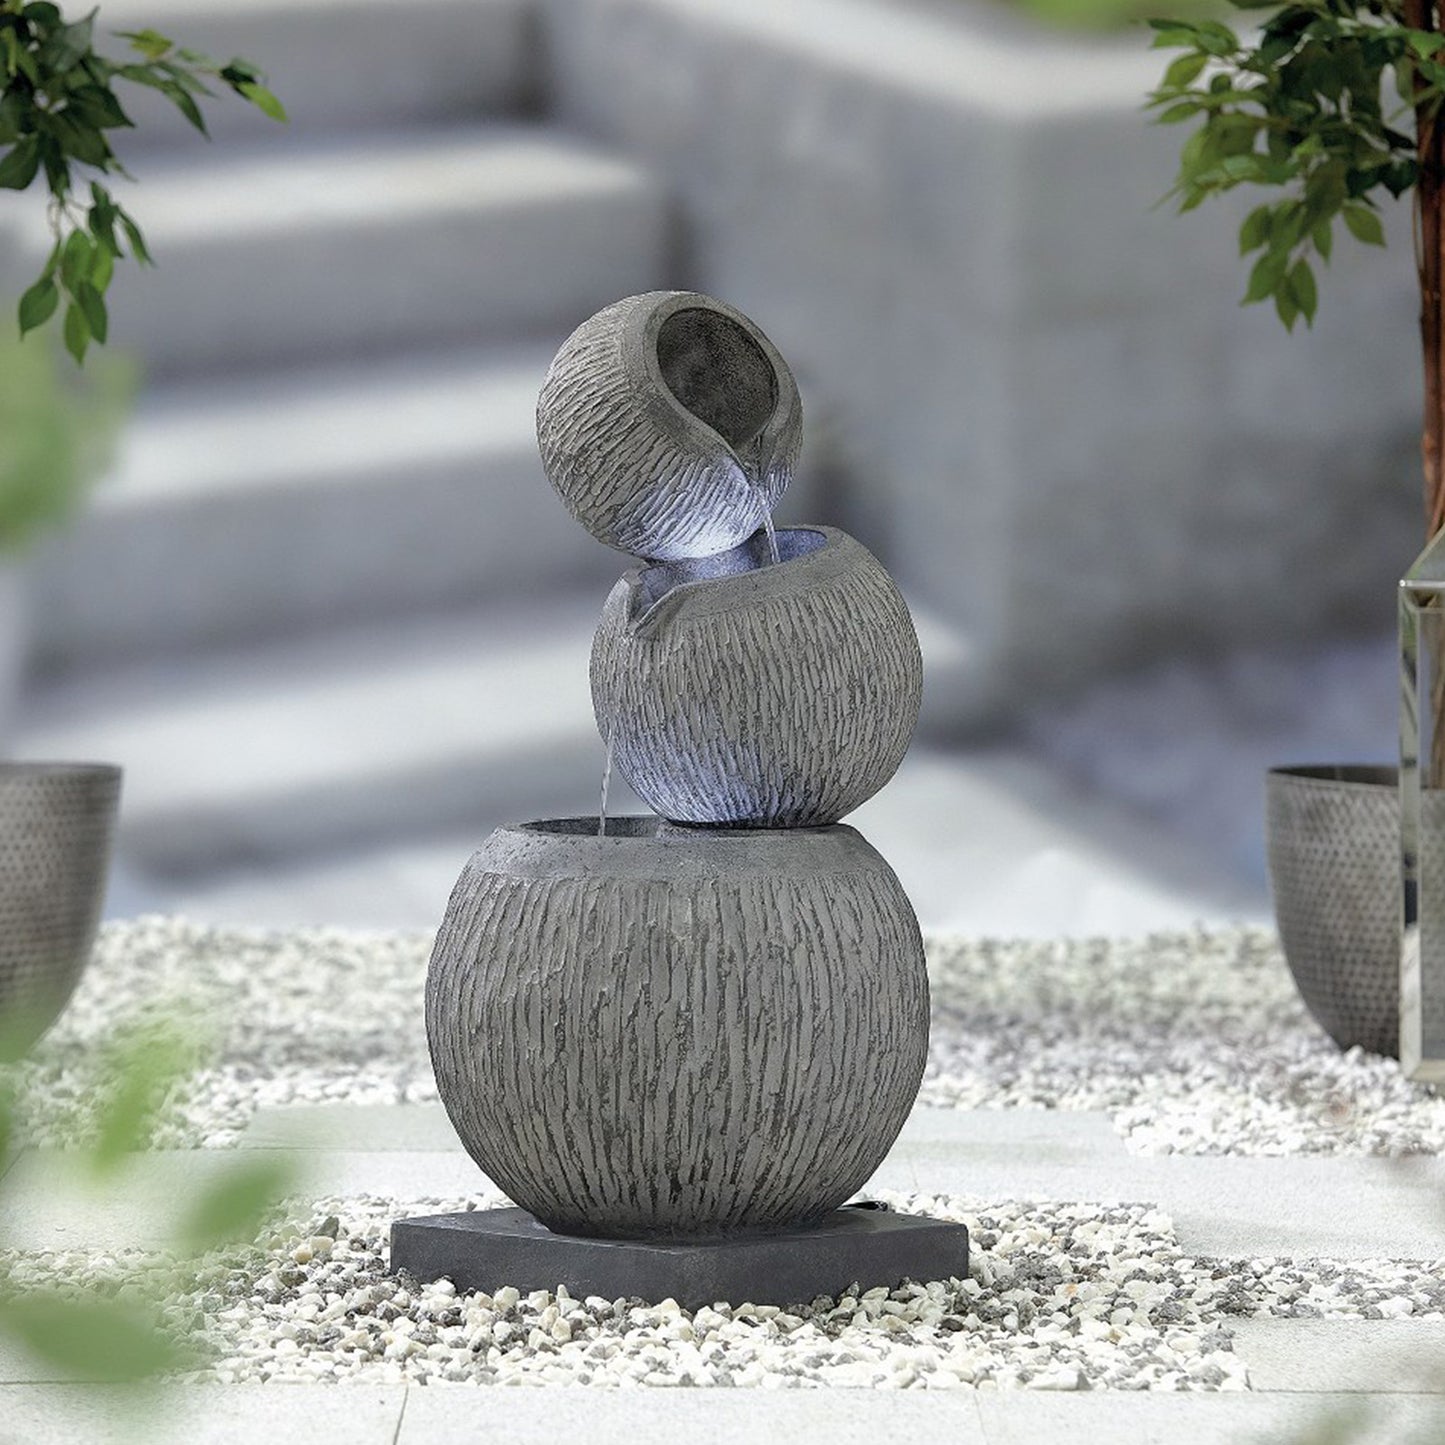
(278,256)
(336,64)
(463,721)
(253,508)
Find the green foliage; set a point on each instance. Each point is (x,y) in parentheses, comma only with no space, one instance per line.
(120,1333)
(58,107)
(1311,107)
(57,434)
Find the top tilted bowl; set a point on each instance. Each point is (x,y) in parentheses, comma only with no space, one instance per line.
(670,425)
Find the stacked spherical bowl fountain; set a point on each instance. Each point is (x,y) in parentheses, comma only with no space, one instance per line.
(681,1043)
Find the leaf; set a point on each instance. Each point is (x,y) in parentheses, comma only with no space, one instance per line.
(230,1209)
(263,100)
(92,303)
(1303,290)
(76,332)
(104,266)
(148,42)
(1287,308)
(64,47)
(75,258)
(1254,233)
(1185,69)
(1182,111)
(91,1339)
(78,137)
(1264,278)
(1364,225)
(19,165)
(181,99)
(145,1065)
(1424,42)
(137,241)
(1324,240)
(98,107)
(37,306)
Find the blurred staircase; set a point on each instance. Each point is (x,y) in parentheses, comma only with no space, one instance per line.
(327,598)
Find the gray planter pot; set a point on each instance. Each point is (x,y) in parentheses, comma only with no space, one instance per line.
(778,696)
(56,822)
(676,1033)
(670,425)
(1333,837)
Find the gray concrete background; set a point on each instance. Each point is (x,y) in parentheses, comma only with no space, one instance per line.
(328,614)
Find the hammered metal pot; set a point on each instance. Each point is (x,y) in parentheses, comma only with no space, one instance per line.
(56,822)
(780,696)
(677,1033)
(1333,836)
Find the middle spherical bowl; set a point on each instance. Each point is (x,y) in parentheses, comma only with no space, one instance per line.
(737,692)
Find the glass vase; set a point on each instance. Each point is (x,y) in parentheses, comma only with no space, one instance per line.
(1422,815)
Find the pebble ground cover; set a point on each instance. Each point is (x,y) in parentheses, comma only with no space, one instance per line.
(1194,1043)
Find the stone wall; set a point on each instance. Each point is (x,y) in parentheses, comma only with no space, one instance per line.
(1044,406)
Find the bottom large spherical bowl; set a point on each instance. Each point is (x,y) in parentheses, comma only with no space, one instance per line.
(56,821)
(672,1032)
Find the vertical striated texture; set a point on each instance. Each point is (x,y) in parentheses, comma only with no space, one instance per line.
(780,697)
(55,831)
(677,1033)
(639,469)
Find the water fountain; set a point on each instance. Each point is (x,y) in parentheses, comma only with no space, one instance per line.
(682,1043)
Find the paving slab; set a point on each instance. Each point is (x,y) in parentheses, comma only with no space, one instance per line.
(372,1128)
(1337,1207)
(1374,1357)
(1024,1417)
(442,1415)
(200,1415)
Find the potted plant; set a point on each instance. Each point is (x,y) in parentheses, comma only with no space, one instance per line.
(58,108)
(1330,106)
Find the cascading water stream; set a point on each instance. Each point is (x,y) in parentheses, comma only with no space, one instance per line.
(607,771)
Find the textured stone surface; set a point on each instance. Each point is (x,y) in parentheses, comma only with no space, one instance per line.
(55,831)
(670,425)
(310,236)
(487,1248)
(780,696)
(677,1033)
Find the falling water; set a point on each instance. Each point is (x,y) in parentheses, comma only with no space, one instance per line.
(606,775)
(760,487)
(772,534)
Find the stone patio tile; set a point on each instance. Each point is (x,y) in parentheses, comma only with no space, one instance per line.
(455,1415)
(1130,1417)
(1345,1207)
(1371,1356)
(200,1415)
(49,1206)
(375,1128)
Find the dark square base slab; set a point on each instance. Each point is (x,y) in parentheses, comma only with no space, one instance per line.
(488,1248)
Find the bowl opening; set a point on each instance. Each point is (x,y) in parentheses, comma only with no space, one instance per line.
(718,372)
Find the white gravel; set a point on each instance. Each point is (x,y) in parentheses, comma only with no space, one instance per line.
(1059,1297)
(1196,1043)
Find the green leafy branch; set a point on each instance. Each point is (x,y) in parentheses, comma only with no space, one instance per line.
(1300,108)
(57,107)
(118,1331)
